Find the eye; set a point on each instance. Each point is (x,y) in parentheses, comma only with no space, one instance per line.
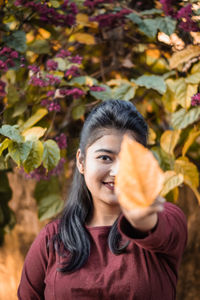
(104,158)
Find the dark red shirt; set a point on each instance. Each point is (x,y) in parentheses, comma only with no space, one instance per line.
(147,271)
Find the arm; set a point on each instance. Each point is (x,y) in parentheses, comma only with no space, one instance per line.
(32,280)
(168,236)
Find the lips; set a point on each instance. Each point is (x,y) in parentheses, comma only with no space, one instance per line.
(109,185)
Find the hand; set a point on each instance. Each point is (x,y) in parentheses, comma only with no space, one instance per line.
(145,218)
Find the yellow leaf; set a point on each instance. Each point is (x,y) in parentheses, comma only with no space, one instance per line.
(84,38)
(140,179)
(34,133)
(175,194)
(37,116)
(172,180)
(43,34)
(184,55)
(184,92)
(89,81)
(82,19)
(188,169)
(151,136)
(194,133)
(169,140)
(169,100)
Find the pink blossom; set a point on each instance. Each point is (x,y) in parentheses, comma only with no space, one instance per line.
(168,8)
(51,65)
(195,100)
(34,68)
(53,80)
(3,66)
(62,141)
(75,92)
(36,81)
(50,93)
(73,71)
(63,53)
(14,54)
(76,59)
(96,88)
(54,106)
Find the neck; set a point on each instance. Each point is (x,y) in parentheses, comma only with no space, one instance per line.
(104,215)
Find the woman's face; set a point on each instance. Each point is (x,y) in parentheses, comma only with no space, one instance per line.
(100,166)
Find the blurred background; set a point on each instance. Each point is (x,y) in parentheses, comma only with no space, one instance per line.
(58,59)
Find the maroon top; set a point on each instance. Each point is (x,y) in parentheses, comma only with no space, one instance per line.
(148,269)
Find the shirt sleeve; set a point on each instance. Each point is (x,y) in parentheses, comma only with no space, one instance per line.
(168,237)
(32,284)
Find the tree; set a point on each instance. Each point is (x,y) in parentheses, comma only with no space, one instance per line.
(60,58)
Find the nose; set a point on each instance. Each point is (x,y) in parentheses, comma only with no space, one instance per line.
(114,168)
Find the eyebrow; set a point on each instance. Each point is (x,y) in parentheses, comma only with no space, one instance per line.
(106,150)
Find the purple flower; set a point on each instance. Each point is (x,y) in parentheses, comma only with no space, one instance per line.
(96,88)
(73,71)
(51,65)
(168,8)
(50,93)
(92,4)
(53,80)
(37,81)
(61,141)
(14,54)
(76,59)
(2,88)
(3,66)
(195,100)
(34,68)
(63,53)
(54,106)
(75,92)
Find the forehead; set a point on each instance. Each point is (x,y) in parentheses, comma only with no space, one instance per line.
(109,139)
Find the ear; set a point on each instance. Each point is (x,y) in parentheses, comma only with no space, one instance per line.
(79,161)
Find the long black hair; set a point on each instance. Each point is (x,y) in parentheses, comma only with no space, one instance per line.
(72,234)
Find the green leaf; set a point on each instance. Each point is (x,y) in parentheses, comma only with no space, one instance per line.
(36,117)
(40,47)
(135,18)
(84,80)
(11,132)
(104,95)
(63,63)
(19,151)
(78,111)
(151,82)
(19,108)
(13,95)
(16,40)
(166,25)
(152,11)
(34,158)
(48,197)
(182,118)
(149,27)
(51,154)
(49,206)
(125,91)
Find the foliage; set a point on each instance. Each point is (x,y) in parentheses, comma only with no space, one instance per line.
(59,58)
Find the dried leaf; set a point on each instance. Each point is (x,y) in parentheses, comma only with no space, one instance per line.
(140,179)
(183,56)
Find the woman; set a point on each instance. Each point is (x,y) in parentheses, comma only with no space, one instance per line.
(98,250)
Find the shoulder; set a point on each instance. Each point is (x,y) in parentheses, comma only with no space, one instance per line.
(52,227)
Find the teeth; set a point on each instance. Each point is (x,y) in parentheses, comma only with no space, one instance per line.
(111,183)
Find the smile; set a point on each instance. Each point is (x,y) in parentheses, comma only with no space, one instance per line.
(109,185)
